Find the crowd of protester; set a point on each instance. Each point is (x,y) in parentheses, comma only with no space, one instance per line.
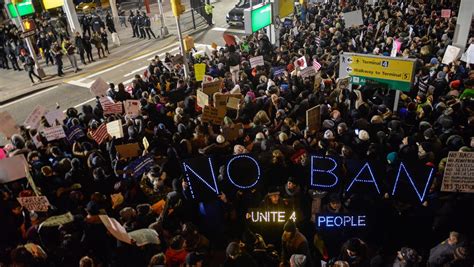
(435,117)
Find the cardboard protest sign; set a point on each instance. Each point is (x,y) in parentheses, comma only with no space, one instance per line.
(202,99)
(116,229)
(8,125)
(58,220)
(459,173)
(256,61)
(33,120)
(353,18)
(54,133)
(210,114)
(212,87)
(145,142)
(232,133)
(132,107)
(128,150)
(145,236)
(446,13)
(451,54)
(36,203)
(199,71)
(115,129)
(233,102)
(99,87)
(313,119)
(12,169)
(37,140)
(301,62)
(55,117)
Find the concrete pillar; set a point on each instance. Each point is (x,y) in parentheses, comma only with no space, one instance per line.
(463,23)
(70,11)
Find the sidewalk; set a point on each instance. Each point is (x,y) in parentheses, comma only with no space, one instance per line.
(16,84)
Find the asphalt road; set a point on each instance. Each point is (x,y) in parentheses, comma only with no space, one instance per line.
(121,66)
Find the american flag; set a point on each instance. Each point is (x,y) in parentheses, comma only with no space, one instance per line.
(316,65)
(317,41)
(109,107)
(100,134)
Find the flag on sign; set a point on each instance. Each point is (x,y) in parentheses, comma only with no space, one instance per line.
(317,41)
(100,134)
(74,133)
(279,71)
(109,107)
(301,62)
(316,65)
(140,165)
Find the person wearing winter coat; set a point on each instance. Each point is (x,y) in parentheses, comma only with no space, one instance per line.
(293,242)
(444,252)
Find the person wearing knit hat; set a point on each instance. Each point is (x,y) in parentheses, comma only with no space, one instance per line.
(329,135)
(444,250)
(363,135)
(220,139)
(293,242)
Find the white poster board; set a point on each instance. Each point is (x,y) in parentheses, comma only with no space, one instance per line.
(353,18)
(459,173)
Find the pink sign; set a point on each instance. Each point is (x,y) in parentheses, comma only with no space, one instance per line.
(446,13)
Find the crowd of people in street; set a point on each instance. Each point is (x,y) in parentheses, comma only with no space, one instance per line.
(88,177)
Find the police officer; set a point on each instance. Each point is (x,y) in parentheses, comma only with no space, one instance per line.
(208,8)
(147,26)
(141,26)
(134,23)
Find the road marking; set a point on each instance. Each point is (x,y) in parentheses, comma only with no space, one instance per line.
(80,104)
(80,83)
(219,29)
(28,97)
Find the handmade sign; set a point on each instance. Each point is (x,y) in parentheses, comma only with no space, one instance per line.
(35,203)
(110,107)
(202,99)
(313,119)
(301,63)
(128,150)
(115,229)
(212,87)
(132,107)
(232,133)
(145,236)
(211,114)
(267,216)
(55,117)
(256,61)
(33,120)
(199,71)
(12,169)
(451,54)
(115,129)
(459,173)
(8,125)
(74,133)
(54,133)
(446,13)
(308,72)
(353,18)
(58,220)
(233,102)
(99,87)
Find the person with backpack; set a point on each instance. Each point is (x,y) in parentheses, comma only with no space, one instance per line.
(29,65)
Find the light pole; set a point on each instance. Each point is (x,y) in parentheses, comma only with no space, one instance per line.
(178,9)
(163,29)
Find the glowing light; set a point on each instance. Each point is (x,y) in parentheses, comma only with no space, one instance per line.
(232,180)
(187,168)
(356,178)
(330,171)
(420,196)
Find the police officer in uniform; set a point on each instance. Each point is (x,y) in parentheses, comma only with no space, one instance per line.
(147,26)
(133,21)
(208,8)
(141,26)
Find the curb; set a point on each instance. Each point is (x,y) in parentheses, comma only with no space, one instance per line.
(20,96)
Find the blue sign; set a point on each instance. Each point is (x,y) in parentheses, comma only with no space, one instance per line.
(328,221)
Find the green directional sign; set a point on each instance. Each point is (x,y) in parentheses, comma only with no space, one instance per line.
(260,16)
(24,8)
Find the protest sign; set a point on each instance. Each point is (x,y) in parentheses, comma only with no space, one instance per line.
(12,169)
(116,229)
(211,114)
(232,133)
(229,39)
(74,133)
(115,129)
(132,107)
(8,125)
(139,166)
(35,203)
(99,87)
(446,13)
(313,119)
(233,102)
(202,98)
(37,140)
(199,71)
(128,150)
(110,107)
(459,173)
(55,117)
(308,72)
(177,59)
(145,142)
(340,221)
(256,61)
(451,54)
(470,54)
(212,87)
(58,220)
(353,18)
(54,133)
(100,134)
(145,236)
(301,62)
(270,216)
(207,79)
(33,120)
